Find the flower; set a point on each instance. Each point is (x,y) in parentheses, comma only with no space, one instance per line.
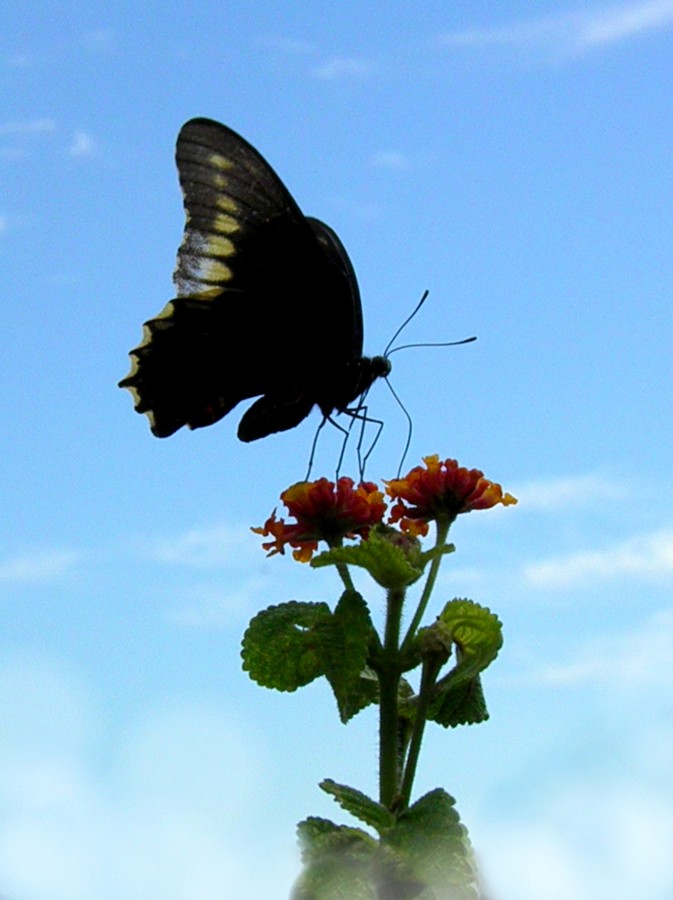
(324,511)
(440,492)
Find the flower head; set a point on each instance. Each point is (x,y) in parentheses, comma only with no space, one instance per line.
(324,511)
(440,491)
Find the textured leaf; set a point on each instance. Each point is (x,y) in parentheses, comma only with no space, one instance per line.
(369,811)
(432,844)
(462,703)
(344,641)
(337,862)
(387,564)
(282,648)
(478,634)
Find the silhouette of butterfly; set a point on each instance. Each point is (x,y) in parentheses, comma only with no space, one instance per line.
(267,303)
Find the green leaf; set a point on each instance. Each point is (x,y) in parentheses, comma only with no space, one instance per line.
(459,704)
(359,805)
(389,565)
(478,634)
(318,836)
(282,648)
(337,862)
(344,642)
(458,696)
(432,845)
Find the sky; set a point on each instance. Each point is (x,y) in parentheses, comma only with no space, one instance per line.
(514,159)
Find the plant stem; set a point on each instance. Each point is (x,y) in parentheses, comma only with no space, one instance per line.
(430,670)
(442,532)
(389,679)
(342,569)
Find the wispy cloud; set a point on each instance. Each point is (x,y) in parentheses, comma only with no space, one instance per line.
(82,144)
(390,159)
(641,656)
(38,567)
(582,838)
(27,126)
(569,33)
(342,67)
(176,808)
(648,556)
(202,548)
(623,22)
(571,491)
(210,605)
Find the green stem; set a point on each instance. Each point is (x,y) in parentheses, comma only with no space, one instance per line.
(442,532)
(342,569)
(430,670)
(389,679)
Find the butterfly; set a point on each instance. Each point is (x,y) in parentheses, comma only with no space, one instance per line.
(267,303)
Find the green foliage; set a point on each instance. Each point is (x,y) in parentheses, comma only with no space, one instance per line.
(289,645)
(359,805)
(462,703)
(477,632)
(281,646)
(432,845)
(424,853)
(344,641)
(337,862)
(387,563)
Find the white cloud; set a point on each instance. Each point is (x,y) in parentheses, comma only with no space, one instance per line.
(568,33)
(217,605)
(82,144)
(38,567)
(27,126)
(390,159)
(173,813)
(572,491)
(345,67)
(217,546)
(623,22)
(647,556)
(633,659)
(583,841)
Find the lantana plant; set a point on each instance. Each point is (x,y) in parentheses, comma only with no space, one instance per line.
(412,848)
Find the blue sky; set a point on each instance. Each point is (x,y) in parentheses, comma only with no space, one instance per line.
(514,159)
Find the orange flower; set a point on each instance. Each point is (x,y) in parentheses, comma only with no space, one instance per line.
(324,512)
(441,491)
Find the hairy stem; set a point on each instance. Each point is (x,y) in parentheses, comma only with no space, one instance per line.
(389,679)
(442,532)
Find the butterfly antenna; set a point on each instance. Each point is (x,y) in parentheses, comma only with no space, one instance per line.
(404,324)
(410,426)
(438,344)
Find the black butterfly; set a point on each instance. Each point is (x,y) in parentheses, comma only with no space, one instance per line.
(267,303)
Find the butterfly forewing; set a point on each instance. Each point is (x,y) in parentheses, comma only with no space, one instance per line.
(230,193)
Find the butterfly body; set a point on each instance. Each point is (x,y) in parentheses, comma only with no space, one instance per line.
(267,303)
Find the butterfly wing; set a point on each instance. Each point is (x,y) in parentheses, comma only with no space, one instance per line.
(267,302)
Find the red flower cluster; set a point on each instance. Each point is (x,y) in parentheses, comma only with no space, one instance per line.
(324,511)
(439,492)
